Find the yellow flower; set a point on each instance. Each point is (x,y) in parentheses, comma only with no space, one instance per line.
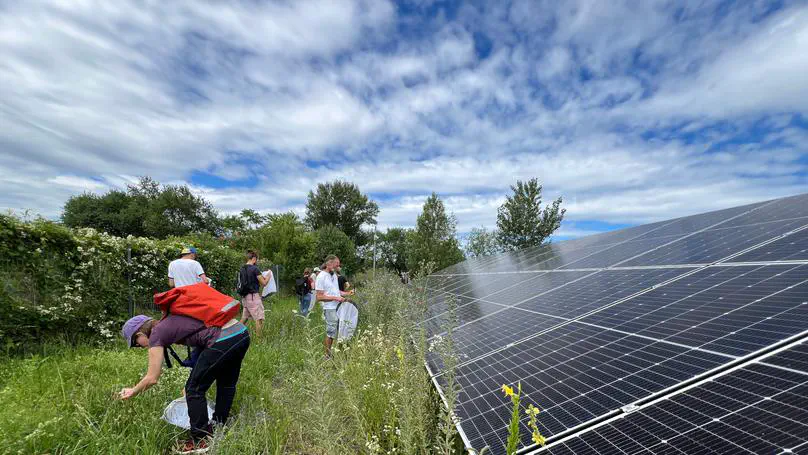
(532,410)
(538,439)
(508,391)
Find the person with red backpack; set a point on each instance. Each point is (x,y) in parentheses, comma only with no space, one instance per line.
(199,317)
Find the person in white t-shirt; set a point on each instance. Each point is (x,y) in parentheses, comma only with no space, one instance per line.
(327,289)
(186,270)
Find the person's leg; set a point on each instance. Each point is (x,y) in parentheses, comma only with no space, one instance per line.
(200,380)
(330,329)
(245,311)
(256,306)
(228,374)
(305,304)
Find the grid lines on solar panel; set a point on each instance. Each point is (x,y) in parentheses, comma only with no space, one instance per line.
(793,247)
(483,285)
(757,409)
(713,245)
(795,358)
(462,314)
(693,223)
(505,290)
(596,290)
(484,335)
(780,209)
(574,373)
(440,304)
(734,310)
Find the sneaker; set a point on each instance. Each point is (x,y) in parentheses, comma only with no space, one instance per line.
(190,446)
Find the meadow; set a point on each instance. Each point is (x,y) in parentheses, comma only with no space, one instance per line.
(374,397)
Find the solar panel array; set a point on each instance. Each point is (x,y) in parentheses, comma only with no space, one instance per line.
(683,336)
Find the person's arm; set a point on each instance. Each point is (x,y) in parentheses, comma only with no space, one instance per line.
(156,355)
(262,280)
(323,297)
(170,276)
(200,272)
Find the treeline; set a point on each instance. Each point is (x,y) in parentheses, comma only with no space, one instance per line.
(339,219)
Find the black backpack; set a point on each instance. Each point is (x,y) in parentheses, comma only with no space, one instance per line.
(242,286)
(302,286)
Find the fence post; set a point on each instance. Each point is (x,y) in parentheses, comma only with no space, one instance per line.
(129,280)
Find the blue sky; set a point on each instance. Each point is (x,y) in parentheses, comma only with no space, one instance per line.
(632,111)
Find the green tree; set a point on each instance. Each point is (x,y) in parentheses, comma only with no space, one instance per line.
(342,205)
(252,218)
(111,213)
(482,242)
(521,222)
(145,209)
(331,240)
(232,225)
(177,211)
(391,249)
(283,240)
(433,241)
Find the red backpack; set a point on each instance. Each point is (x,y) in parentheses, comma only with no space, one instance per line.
(198,301)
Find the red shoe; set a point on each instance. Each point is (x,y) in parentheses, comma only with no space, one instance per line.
(190,446)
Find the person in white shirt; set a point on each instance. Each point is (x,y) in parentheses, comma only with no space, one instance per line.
(327,291)
(186,270)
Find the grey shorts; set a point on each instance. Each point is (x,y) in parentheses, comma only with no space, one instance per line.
(331,323)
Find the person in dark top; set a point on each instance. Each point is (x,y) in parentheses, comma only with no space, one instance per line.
(303,287)
(342,282)
(222,351)
(250,282)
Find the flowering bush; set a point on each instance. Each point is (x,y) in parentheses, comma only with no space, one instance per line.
(76,283)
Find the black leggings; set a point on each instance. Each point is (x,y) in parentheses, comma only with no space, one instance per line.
(221,363)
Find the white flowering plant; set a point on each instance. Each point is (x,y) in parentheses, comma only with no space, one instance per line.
(60,282)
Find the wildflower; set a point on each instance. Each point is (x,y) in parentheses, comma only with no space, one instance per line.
(532,410)
(538,439)
(508,391)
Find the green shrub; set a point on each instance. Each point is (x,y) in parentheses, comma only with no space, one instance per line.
(74,284)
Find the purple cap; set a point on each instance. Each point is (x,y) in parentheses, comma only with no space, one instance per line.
(131,327)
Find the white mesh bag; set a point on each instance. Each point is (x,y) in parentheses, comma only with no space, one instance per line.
(348,316)
(176,413)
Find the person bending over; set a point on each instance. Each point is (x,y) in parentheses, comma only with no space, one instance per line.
(222,351)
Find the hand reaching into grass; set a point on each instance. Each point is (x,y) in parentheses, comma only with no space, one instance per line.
(126,393)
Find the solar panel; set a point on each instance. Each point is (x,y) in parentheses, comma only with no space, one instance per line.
(793,247)
(758,409)
(672,319)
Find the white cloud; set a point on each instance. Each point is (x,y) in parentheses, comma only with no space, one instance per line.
(634,112)
(766,72)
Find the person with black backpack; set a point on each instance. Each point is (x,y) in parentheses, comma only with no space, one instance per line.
(303,290)
(250,282)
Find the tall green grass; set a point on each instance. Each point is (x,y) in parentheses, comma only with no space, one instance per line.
(373,397)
